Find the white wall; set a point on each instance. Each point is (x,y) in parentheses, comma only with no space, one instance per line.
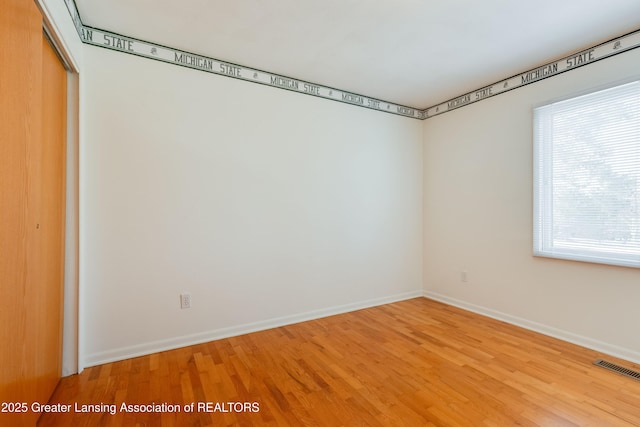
(267,206)
(478,218)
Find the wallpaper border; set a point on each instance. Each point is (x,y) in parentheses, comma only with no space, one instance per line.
(130,45)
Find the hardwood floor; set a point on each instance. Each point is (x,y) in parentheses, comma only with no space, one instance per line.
(411,363)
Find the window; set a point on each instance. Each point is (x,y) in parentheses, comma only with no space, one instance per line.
(587,177)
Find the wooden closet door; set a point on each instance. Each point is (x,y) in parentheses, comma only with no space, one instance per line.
(52,221)
(20,136)
(32,190)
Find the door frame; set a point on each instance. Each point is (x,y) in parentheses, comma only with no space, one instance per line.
(71,358)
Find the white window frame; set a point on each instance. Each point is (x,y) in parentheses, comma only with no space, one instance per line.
(545,244)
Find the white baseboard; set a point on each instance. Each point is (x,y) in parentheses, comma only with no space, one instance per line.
(216,334)
(603,347)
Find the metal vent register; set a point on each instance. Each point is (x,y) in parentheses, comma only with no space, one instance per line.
(619,369)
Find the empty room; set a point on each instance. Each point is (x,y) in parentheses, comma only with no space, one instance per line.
(398,213)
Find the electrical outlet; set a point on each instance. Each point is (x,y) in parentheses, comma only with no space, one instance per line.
(185,301)
(463,276)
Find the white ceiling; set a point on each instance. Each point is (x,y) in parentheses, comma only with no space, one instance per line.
(413,52)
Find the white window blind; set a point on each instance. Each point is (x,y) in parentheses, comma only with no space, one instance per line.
(587,177)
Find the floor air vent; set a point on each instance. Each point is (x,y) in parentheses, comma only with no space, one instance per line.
(619,369)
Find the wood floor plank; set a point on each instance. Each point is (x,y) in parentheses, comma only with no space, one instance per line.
(411,363)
